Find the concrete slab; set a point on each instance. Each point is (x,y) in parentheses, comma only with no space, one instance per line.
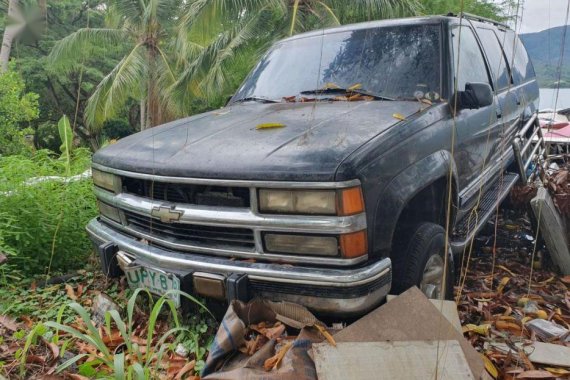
(552,228)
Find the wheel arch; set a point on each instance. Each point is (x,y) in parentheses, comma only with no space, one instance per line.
(419,184)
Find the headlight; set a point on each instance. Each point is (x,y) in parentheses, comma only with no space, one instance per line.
(298,202)
(312,202)
(109,211)
(302,244)
(105,180)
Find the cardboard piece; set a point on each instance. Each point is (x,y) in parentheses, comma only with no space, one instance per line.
(406,360)
(410,316)
(447,308)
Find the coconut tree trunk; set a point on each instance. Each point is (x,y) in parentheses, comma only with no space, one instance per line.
(143,114)
(43,7)
(11,31)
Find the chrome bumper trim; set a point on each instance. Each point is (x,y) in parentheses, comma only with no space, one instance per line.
(236,252)
(238,217)
(331,277)
(338,307)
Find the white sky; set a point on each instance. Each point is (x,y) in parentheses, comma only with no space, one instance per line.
(542,14)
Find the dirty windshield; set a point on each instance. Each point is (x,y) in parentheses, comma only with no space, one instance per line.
(396,62)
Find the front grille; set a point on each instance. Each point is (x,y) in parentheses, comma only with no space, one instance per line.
(191,233)
(204,195)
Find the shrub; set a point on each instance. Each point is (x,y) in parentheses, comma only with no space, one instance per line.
(47,137)
(16,107)
(44,217)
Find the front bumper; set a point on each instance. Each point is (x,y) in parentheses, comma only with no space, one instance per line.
(332,291)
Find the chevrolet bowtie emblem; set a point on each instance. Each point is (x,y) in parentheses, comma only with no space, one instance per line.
(167,214)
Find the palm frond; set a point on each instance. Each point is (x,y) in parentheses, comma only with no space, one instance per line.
(209,65)
(67,52)
(123,82)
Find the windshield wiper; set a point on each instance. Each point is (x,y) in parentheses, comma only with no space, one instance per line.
(340,90)
(260,99)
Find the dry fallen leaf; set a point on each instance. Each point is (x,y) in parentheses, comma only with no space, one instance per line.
(70,292)
(490,367)
(269,125)
(274,361)
(9,323)
(535,374)
(187,368)
(504,282)
(478,329)
(326,334)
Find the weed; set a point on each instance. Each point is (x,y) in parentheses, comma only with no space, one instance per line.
(39,215)
(121,349)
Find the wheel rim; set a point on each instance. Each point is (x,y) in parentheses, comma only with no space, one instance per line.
(431,284)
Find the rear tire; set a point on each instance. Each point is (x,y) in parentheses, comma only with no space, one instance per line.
(421,262)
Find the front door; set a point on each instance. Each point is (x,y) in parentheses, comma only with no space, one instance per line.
(477,130)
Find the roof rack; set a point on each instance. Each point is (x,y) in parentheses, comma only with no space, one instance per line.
(473,17)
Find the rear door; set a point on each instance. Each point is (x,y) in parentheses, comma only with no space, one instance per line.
(477,129)
(508,102)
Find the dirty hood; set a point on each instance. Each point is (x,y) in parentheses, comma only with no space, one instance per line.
(225,143)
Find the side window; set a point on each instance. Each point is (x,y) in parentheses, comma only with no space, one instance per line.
(472,67)
(495,57)
(518,59)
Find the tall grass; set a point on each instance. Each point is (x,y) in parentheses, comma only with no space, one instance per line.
(45,218)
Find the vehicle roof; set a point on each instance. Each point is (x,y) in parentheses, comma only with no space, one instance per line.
(392,22)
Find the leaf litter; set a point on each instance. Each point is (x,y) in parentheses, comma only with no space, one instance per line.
(510,303)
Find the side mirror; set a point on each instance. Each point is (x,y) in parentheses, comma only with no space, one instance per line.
(475,96)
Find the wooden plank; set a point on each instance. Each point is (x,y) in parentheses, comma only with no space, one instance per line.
(404,360)
(552,228)
(448,309)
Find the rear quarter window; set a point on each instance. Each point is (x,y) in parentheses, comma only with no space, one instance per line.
(517,56)
(495,57)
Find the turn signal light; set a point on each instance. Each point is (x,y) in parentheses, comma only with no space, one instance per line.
(350,201)
(354,245)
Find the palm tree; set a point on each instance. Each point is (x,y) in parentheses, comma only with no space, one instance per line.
(259,23)
(10,32)
(178,49)
(21,17)
(143,29)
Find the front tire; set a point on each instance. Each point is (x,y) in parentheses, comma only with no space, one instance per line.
(422,261)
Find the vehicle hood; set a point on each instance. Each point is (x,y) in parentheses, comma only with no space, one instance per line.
(226,144)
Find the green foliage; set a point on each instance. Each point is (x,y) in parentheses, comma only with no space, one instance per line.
(117,129)
(497,10)
(39,216)
(47,137)
(16,108)
(64,93)
(147,356)
(66,137)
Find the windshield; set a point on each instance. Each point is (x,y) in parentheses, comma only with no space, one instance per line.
(398,62)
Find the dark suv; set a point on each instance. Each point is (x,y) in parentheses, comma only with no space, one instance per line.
(332,173)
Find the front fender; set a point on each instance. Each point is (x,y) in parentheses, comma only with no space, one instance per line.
(402,188)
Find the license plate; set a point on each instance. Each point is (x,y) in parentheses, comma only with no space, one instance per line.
(156,281)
